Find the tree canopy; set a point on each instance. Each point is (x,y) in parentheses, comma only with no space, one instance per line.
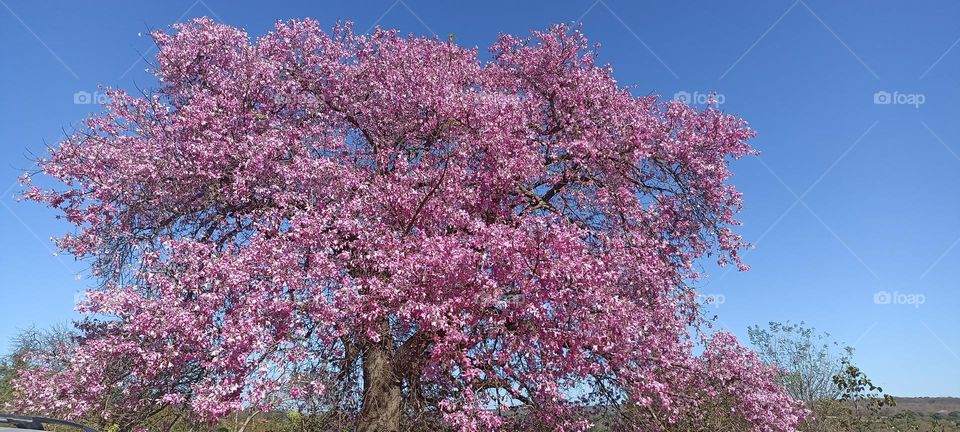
(393,229)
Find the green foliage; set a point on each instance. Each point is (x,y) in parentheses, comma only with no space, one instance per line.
(808,359)
(860,400)
(818,370)
(7,372)
(854,385)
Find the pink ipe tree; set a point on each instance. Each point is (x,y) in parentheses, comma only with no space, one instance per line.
(404,234)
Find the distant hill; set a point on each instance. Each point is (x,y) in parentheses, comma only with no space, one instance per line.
(925,405)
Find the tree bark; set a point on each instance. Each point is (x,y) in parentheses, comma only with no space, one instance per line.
(381,388)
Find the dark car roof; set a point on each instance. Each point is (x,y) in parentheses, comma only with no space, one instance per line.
(21,423)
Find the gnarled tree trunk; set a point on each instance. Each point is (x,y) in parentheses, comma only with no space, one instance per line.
(381,388)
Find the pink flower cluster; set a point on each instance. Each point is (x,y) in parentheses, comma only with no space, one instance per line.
(524,226)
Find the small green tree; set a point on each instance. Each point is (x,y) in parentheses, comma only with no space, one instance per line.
(808,360)
(818,370)
(862,399)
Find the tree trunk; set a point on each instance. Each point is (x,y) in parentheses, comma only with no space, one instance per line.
(381,388)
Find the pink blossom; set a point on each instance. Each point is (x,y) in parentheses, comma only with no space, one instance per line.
(525,223)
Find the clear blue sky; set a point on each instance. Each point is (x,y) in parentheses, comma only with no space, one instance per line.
(850,198)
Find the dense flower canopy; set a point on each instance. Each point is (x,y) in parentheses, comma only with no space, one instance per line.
(279,216)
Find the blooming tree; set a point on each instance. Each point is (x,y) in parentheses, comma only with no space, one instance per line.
(399,231)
